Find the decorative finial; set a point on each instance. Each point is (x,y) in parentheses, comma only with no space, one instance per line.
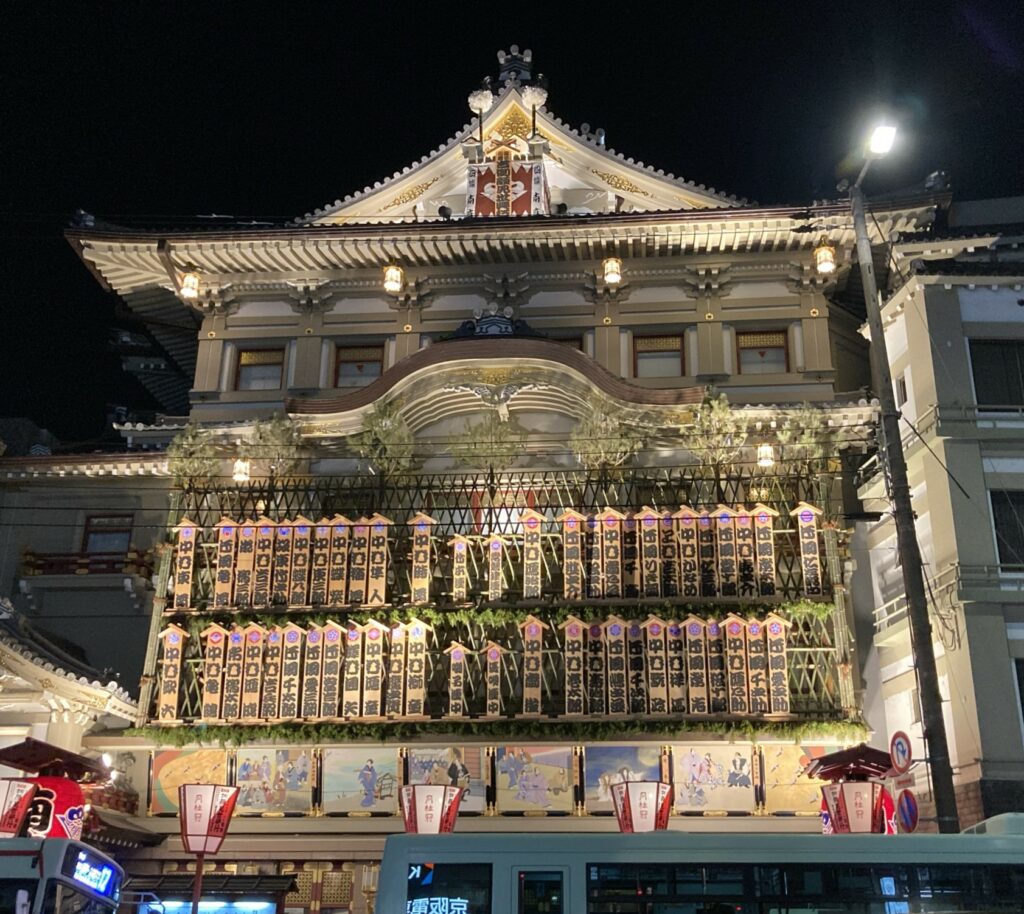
(480,103)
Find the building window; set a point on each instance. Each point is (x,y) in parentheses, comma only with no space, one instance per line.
(1008,519)
(901,390)
(107,533)
(260,369)
(998,368)
(658,356)
(762,353)
(1018,663)
(356,366)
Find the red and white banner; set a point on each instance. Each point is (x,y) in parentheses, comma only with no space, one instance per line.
(642,806)
(15,798)
(429,809)
(205,811)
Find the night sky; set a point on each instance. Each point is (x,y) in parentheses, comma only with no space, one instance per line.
(143,113)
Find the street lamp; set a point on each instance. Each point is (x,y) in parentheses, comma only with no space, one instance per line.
(881,141)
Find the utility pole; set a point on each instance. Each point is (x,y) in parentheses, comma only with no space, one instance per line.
(921,642)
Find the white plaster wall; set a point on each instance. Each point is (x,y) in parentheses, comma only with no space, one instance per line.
(990,305)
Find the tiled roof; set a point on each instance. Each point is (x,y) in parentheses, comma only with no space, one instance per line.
(18,635)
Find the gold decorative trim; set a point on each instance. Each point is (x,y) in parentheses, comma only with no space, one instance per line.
(515,123)
(413,193)
(767,340)
(261,357)
(617,182)
(658,343)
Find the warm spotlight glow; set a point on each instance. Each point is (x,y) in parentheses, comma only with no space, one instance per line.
(882,138)
(189,284)
(612,268)
(394,279)
(241,470)
(825,258)
(765,455)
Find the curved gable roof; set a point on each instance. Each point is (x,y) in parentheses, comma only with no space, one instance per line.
(647,189)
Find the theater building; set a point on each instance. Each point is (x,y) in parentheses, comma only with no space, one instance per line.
(521,470)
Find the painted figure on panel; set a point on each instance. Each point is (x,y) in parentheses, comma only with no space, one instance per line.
(534,779)
(356,782)
(451,766)
(606,766)
(713,777)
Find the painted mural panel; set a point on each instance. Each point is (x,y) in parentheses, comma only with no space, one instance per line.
(360,780)
(713,777)
(787,789)
(456,766)
(535,778)
(605,765)
(274,780)
(174,767)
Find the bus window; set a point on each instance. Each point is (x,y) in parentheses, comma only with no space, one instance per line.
(540,892)
(448,888)
(62,899)
(17,895)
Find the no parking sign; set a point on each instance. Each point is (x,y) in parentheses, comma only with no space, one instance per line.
(906,811)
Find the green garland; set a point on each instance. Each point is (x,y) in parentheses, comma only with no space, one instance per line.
(500,616)
(572,730)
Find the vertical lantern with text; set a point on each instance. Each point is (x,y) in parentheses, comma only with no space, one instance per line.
(642,806)
(430,809)
(205,812)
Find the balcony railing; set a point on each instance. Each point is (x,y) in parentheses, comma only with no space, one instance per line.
(966,583)
(132,562)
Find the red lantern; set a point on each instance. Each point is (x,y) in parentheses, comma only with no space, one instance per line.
(15,799)
(430,809)
(642,806)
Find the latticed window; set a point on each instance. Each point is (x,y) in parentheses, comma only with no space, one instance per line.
(337,889)
(1008,519)
(356,366)
(303,893)
(260,369)
(658,356)
(762,353)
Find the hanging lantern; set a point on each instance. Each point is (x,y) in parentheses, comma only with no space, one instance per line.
(765,455)
(642,806)
(430,809)
(394,279)
(205,813)
(240,473)
(825,258)
(189,288)
(612,267)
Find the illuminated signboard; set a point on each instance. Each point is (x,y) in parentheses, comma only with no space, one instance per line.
(449,888)
(93,871)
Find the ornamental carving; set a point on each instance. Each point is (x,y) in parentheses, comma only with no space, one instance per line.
(617,182)
(413,193)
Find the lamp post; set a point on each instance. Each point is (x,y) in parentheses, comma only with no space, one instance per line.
(903,512)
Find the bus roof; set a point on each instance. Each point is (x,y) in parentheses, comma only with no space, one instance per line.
(686,847)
